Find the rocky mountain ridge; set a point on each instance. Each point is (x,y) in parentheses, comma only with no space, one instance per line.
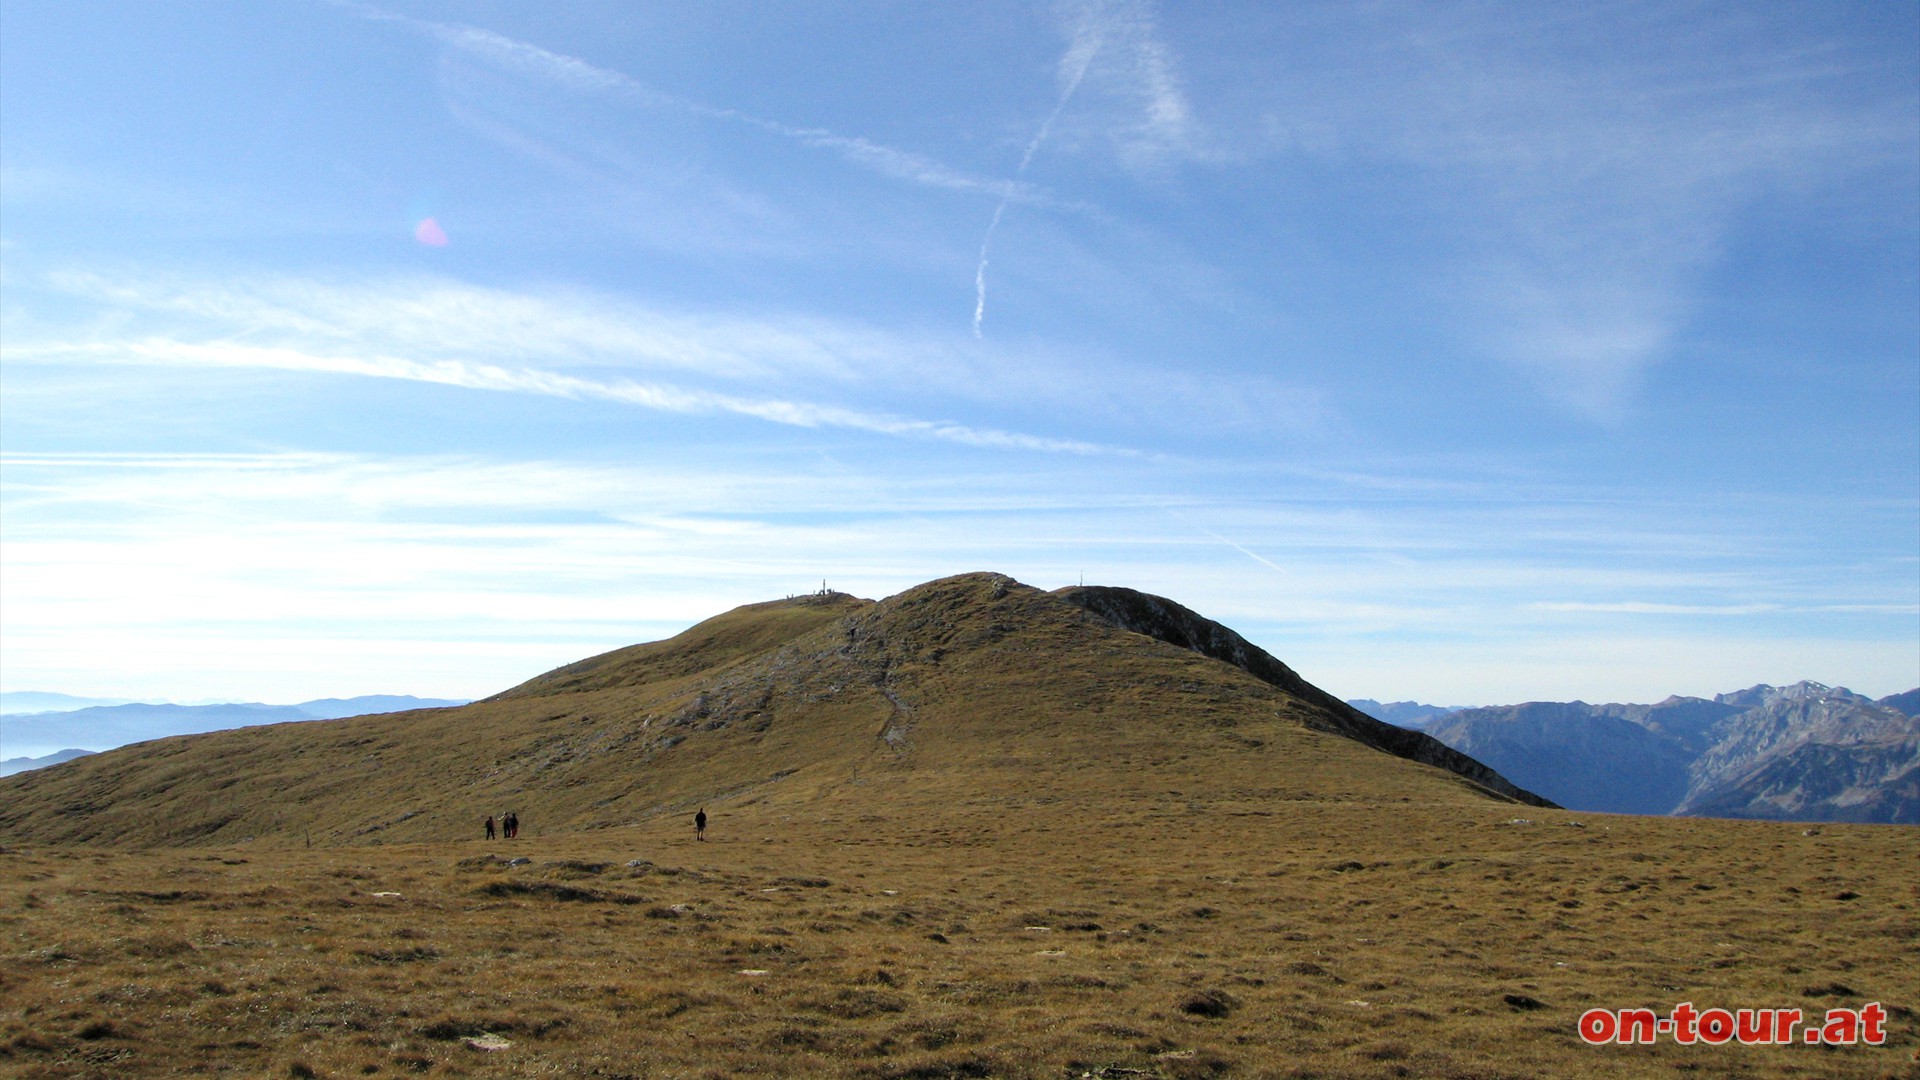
(1802,752)
(1406,714)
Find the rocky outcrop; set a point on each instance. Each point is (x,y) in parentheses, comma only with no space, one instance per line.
(1782,724)
(1875,781)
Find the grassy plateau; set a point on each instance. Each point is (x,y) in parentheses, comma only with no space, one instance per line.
(970,831)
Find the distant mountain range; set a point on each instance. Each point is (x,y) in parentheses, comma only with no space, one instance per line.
(23,764)
(32,737)
(33,701)
(1806,752)
(1407,714)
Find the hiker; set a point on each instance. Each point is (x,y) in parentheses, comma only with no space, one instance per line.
(510,825)
(700,824)
(489,826)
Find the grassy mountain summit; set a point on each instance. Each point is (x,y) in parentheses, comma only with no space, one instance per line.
(965,690)
(971,830)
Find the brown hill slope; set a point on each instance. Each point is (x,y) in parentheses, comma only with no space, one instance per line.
(1159,617)
(973,691)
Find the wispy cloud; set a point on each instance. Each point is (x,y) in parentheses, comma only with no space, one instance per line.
(573,74)
(799,370)
(901,165)
(1647,607)
(441,317)
(658,396)
(1644,607)
(1154,125)
(446,567)
(1583,168)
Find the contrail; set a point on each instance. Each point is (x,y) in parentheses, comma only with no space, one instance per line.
(572,73)
(1074,65)
(1255,556)
(980,271)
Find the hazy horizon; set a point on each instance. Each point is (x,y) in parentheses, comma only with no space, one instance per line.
(94,702)
(1480,353)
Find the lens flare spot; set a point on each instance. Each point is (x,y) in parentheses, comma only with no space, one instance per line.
(430,233)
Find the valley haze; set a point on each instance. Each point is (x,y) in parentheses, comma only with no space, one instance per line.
(103,727)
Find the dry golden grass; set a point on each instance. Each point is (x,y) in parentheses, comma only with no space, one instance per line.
(970,831)
(1163,933)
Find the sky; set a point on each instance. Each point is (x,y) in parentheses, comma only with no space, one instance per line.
(1467,353)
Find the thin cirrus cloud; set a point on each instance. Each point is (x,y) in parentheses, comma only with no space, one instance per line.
(530,62)
(483,339)
(805,371)
(445,317)
(1146,118)
(1583,195)
(418,545)
(657,396)
(1580,199)
(1331,559)
(1115,45)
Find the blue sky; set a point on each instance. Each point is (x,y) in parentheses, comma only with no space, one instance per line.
(1470,353)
